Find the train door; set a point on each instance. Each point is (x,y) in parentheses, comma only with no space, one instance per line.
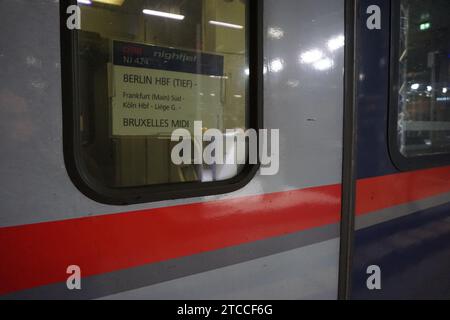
(402,226)
(102,193)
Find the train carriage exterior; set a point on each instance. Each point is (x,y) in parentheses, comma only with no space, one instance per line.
(358,90)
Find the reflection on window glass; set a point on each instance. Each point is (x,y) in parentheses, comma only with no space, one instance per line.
(148,67)
(424,55)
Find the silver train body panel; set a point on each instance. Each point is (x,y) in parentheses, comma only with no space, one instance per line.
(306,104)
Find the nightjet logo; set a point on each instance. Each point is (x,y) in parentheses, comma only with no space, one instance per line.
(228,148)
(169,56)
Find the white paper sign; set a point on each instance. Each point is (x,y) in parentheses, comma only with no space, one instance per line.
(156,90)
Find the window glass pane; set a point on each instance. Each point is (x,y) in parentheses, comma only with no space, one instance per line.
(424,55)
(148,67)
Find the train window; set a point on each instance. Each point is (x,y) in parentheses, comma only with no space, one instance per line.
(140,69)
(421,71)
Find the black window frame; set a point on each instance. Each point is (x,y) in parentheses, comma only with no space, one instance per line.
(151,193)
(400,161)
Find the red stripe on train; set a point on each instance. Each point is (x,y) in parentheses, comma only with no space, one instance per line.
(39,254)
(379,193)
(34,255)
